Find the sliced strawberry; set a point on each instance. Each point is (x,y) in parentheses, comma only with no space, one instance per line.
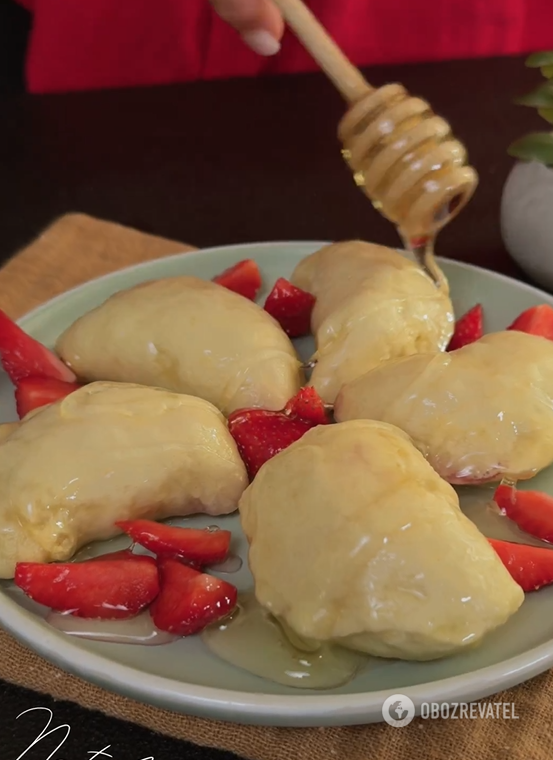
(202,547)
(260,435)
(468,329)
(291,307)
(190,600)
(307,405)
(532,511)
(244,278)
(530,566)
(108,589)
(33,392)
(538,320)
(23,356)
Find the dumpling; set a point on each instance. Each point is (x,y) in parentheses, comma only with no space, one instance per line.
(190,336)
(480,413)
(373,304)
(110,452)
(354,539)
(6,429)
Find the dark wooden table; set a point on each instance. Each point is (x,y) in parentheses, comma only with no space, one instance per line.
(227,162)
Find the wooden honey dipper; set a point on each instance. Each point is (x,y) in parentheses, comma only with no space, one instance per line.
(402,155)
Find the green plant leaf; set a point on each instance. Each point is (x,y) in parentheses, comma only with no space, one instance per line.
(537,60)
(547,71)
(541,97)
(537,146)
(547,114)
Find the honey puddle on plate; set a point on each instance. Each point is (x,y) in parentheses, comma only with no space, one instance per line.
(136,630)
(250,638)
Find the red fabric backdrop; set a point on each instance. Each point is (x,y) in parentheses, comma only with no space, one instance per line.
(85,44)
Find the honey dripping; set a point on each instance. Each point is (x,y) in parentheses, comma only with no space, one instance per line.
(408,163)
(252,639)
(402,155)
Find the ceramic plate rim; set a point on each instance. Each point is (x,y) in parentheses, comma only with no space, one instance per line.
(36,312)
(257,707)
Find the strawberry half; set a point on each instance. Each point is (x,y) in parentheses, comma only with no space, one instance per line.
(291,307)
(530,566)
(532,511)
(203,547)
(468,329)
(308,405)
(34,392)
(190,600)
(114,588)
(243,278)
(23,356)
(538,320)
(261,434)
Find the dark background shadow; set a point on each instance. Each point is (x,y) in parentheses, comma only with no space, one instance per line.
(15,24)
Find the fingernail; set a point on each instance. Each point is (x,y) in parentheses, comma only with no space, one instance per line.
(261,42)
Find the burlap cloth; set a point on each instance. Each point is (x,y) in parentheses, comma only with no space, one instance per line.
(75,249)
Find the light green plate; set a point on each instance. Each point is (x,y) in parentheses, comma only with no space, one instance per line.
(184,676)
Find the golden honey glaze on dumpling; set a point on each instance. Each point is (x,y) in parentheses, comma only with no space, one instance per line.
(354,539)
(110,452)
(373,304)
(480,413)
(190,336)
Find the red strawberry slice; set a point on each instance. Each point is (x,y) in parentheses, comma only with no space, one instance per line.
(34,392)
(261,434)
(291,307)
(22,356)
(244,278)
(108,589)
(203,547)
(468,329)
(532,511)
(190,600)
(308,405)
(538,320)
(530,566)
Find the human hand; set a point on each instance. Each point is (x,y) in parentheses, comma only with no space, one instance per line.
(258,21)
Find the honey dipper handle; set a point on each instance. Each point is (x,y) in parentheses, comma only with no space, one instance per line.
(346,77)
